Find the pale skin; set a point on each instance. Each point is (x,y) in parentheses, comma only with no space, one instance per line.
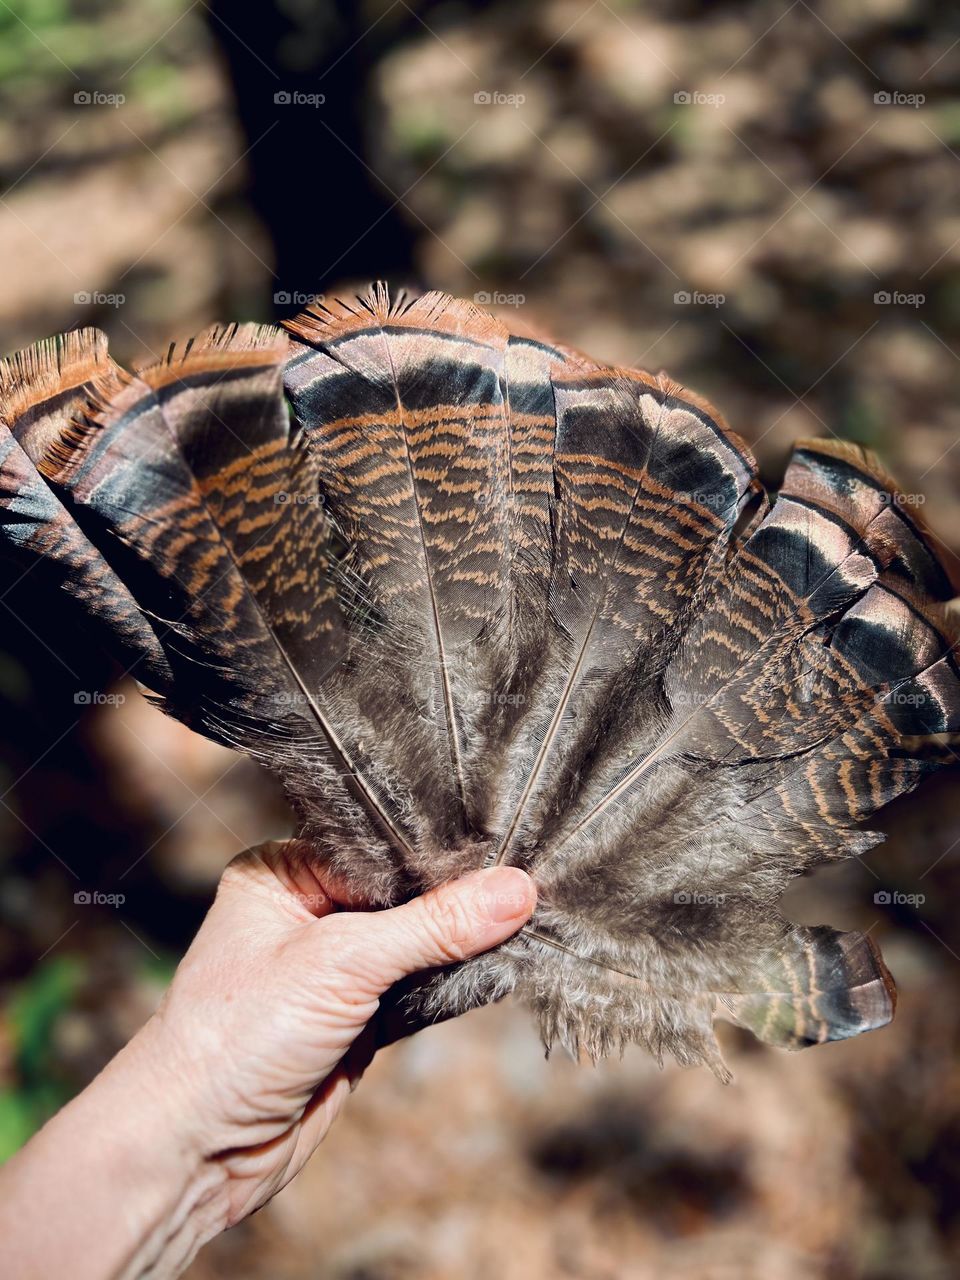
(227,1091)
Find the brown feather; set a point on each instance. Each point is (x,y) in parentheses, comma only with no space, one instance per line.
(485,599)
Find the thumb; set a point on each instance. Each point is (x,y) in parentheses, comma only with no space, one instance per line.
(450,923)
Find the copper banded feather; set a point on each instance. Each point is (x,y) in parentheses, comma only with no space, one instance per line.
(477,598)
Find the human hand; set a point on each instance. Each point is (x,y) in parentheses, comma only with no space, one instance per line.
(225,1093)
(269,1004)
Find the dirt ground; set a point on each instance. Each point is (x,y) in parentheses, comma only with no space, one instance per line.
(721,191)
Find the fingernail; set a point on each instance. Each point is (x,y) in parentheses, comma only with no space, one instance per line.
(505,893)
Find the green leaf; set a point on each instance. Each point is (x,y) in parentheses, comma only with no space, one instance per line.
(35,1008)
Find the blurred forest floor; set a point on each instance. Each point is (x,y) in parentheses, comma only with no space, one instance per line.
(710,189)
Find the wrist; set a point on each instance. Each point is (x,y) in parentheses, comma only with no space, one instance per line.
(147,1105)
(119,1173)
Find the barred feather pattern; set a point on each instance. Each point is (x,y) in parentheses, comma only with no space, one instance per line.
(41,389)
(476,598)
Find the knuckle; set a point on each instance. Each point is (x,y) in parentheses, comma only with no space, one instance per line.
(246,866)
(234,874)
(450,924)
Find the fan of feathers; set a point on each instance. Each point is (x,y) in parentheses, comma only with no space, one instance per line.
(476,598)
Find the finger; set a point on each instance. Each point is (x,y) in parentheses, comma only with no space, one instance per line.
(450,923)
(279,871)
